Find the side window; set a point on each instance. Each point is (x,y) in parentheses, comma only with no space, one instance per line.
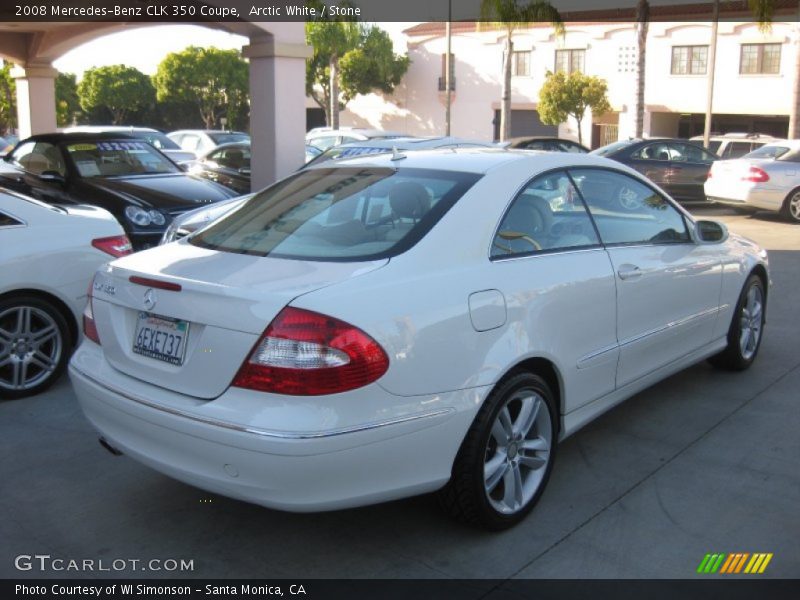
(628,212)
(547,215)
(232,158)
(690,153)
(190,142)
(736,149)
(38,157)
(653,152)
(8,220)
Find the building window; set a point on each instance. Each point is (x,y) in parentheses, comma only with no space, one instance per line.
(570,61)
(760,59)
(521,63)
(444,72)
(689,60)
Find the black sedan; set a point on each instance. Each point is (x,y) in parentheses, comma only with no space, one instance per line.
(228,164)
(678,166)
(142,188)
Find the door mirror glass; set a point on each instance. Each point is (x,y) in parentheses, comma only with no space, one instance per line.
(711,232)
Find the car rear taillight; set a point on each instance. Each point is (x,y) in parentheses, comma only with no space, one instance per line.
(89,326)
(304,353)
(755,175)
(116,246)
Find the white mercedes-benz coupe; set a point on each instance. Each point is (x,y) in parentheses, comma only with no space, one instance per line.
(48,256)
(397,324)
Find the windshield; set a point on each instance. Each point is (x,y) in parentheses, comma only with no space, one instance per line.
(156,139)
(117,159)
(774,152)
(347,152)
(611,148)
(339,214)
(228,137)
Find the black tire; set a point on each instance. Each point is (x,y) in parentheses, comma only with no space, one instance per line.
(32,355)
(791,207)
(467,495)
(734,357)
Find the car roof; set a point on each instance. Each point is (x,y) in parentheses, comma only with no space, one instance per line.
(470,160)
(207,131)
(102,128)
(409,143)
(370,133)
(791,144)
(76,136)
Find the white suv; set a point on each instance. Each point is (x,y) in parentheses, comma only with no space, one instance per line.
(734,145)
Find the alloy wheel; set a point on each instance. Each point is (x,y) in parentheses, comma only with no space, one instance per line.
(31,346)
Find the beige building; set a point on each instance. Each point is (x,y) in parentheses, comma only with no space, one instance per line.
(753,83)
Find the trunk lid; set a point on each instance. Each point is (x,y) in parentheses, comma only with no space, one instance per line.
(225,303)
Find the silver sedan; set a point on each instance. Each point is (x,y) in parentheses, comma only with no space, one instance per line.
(767,179)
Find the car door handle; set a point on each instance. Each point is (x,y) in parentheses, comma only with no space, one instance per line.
(629,272)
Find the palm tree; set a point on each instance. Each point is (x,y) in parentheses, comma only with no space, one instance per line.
(642,24)
(511,15)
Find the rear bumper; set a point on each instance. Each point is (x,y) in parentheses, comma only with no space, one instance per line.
(753,197)
(222,447)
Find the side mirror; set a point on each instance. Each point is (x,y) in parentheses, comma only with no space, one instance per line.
(52,177)
(710,232)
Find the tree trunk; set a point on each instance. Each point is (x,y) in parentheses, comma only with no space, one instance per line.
(642,23)
(334,85)
(505,105)
(794,115)
(579,120)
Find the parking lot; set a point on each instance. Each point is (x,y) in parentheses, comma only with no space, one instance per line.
(704,462)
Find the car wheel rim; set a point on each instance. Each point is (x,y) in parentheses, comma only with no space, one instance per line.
(751,322)
(794,207)
(30,347)
(628,199)
(517,452)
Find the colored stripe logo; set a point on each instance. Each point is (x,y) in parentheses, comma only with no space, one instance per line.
(737,562)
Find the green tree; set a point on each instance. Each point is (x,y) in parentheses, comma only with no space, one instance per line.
(214,81)
(68,105)
(120,89)
(564,96)
(510,15)
(8,99)
(349,59)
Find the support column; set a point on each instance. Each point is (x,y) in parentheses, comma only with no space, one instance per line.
(36,99)
(277,108)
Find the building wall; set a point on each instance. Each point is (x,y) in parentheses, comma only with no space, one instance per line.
(417,106)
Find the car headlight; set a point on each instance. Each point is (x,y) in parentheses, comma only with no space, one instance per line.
(143,218)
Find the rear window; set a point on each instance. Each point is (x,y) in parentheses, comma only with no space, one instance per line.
(228,138)
(611,148)
(768,152)
(339,214)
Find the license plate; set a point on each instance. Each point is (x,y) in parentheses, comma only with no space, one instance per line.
(161,338)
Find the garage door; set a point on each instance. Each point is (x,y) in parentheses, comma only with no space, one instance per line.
(524,122)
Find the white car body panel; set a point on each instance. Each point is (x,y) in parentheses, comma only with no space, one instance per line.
(452,322)
(52,252)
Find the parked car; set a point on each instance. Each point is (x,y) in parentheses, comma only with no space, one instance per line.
(48,256)
(228,165)
(200,141)
(155,138)
(278,357)
(547,144)
(734,145)
(324,137)
(678,166)
(192,220)
(767,178)
(142,188)
(404,144)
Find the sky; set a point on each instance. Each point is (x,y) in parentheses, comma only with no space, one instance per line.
(144,48)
